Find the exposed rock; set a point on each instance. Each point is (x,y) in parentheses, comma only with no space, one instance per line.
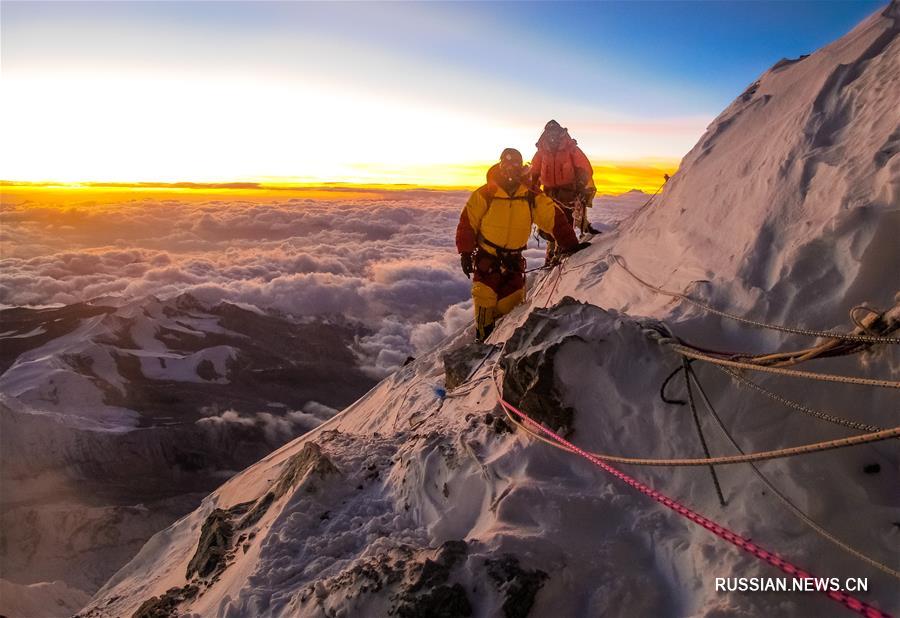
(460,362)
(497,422)
(309,460)
(437,571)
(369,576)
(259,509)
(215,542)
(207,371)
(529,382)
(517,584)
(441,602)
(215,539)
(165,606)
(417,581)
(428,592)
(215,547)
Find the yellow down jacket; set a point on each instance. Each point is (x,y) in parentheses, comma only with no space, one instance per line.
(507,221)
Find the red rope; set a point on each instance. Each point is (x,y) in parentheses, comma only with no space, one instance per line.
(843,598)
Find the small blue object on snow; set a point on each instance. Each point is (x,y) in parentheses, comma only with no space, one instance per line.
(439,392)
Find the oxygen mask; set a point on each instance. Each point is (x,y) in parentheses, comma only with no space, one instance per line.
(509,176)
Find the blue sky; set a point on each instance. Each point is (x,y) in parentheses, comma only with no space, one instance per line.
(632,80)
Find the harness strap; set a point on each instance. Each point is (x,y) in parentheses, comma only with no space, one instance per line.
(500,250)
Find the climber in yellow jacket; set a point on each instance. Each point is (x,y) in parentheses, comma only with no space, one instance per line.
(493,230)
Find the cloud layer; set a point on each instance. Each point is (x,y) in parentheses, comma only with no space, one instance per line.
(277,429)
(390,262)
(386,259)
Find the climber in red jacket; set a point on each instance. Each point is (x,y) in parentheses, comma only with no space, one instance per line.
(566,175)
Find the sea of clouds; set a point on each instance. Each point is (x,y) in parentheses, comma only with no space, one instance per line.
(387,260)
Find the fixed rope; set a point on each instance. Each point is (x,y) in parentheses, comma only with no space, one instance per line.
(537,268)
(796,373)
(543,280)
(686,365)
(555,283)
(791,451)
(822,416)
(784,499)
(742,458)
(779,327)
(658,189)
(747,545)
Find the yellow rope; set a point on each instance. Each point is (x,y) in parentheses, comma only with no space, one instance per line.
(789,359)
(746,458)
(787,501)
(824,416)
(796,373)
(804,449)
(778,327)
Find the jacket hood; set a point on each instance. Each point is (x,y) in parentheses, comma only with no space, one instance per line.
(565,142)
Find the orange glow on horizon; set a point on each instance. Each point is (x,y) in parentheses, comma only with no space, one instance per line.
(373,180)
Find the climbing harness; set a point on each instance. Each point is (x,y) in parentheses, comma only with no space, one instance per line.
(504,255)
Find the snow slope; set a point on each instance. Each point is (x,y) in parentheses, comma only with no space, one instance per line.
(417,501)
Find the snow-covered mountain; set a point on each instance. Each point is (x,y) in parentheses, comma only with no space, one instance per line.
(117,417)
(421,500)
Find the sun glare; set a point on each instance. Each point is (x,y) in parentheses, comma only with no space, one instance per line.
(165,128)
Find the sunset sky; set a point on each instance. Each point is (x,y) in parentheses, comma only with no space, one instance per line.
(424,94)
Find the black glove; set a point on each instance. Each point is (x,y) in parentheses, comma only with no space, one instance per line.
(575,249)
(467,264)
